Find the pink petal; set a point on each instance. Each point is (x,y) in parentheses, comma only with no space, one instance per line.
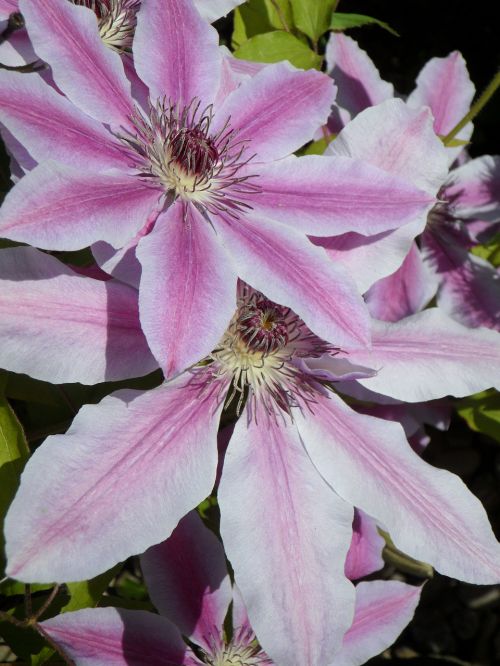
(60,208)
(469,288)
(474,189)
(164,56)
(403,293)
(334,368)
(428,356)
(132,465)
(188,288)
(188,581)
(59,327)
(358,80)
(278,110)
(329,196)
(371,258)
(91,75)
(50,127)
(289,270)
(211,10)
(17,50)
(444,85)
(290,565)
(398,139)
(429,512)
(122,264)
(7,7)
(365,552)
(117,637)
(383,609)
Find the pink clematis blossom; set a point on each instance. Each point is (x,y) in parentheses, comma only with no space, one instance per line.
(298,455)
(468,288)
(116,21)
(197,186)
(189,585)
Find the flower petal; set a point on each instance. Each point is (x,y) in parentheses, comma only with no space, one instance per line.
(188,288)
(383,609)
(403,293)
(91,75)
(290,566)
(329,196)
(50,127)
(429,512)
(278,110)
(398,139)
(365,552)
(188,581)
(59,327)
(164,55)
(132,465)
(211,10)
(428,356)
(282,264)
(56,207)
(474,189)
(444,85)
(117,637)
(371,258)
(469,289)
(7,7)
(358,80)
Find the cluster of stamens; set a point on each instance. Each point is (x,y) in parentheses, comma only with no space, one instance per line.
(242,650)
(116,20)
(173,149)
(261,352)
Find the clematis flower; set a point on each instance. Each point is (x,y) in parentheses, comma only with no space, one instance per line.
(198,185)
(468,288)
(116,21)
(189,585)
(298,455)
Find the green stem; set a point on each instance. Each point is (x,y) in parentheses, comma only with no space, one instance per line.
(475,108)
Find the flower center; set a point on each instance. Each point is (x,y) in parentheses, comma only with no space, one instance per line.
(193,151)
(236,655)
(175,150)
(116,20)
(261,352)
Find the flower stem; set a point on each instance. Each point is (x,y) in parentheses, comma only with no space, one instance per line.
(478,106)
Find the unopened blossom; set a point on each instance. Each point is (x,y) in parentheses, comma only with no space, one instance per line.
(189,585)
(468,288)
(195,188)
(298,455)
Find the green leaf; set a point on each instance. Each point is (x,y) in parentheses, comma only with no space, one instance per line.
(14,453)
(43,656)
(489,251)
(317,147)
(259,16)
(482,413)
(346,21)
(276,46)
(87,593)
(312,18)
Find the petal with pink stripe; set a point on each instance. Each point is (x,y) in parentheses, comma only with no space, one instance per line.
(290,566)
(176,52)
(429,512)
(60,327)
(188,581)
(133,465)
(64,33)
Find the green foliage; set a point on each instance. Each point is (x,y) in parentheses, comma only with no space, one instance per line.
(482,413)
(312,18)
(489,251)
(87,593)
(14,452)
(317,147)
(342,22)
(276,46)
(260,16)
